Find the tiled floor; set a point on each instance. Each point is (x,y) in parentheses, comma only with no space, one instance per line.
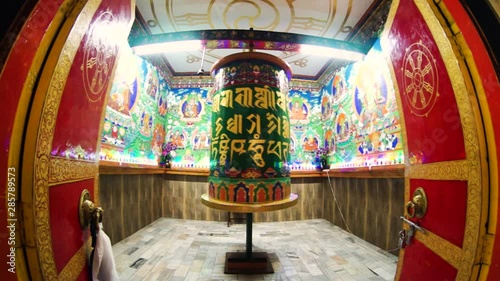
(174,249)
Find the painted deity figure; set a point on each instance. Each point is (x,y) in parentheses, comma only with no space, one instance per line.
(178,139)
(191,110)
(298,112)
(311,144)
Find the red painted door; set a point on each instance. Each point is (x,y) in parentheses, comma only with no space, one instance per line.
(445,147)
(60,68)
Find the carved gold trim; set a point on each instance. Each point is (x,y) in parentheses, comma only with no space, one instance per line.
(483,259)
(469,169)
(14,151)
(68,42)
(446,250)
(75,265)
(473,147)
(96,191)
(451,170)
(67,170)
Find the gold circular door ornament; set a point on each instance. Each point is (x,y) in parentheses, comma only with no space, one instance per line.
(99,56)
(420,79)
(417,206)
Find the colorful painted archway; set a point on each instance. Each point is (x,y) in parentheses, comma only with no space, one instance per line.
(446,92)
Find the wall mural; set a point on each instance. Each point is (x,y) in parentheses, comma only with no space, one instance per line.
(306,128)
(188,126)
(134,123)
(353,118)
(359,111)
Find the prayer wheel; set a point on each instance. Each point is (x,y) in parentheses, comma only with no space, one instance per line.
(250,146)
(250,141)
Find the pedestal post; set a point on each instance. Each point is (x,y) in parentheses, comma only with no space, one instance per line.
(249,235)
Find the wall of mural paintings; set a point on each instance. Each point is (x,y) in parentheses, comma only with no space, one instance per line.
(352,120)
(360,116)
(134,125)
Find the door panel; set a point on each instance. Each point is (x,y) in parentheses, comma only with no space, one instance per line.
(80,112)
(67,236)
(62,136)
(420,263)
(446,210)
(432,120)
(445,148)
(16,92)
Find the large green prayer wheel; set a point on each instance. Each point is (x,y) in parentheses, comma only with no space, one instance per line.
(250,140)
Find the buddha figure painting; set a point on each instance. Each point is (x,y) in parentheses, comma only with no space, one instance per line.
(200,139)
(162,104)
(298,109)
(177,138)
(326,106)
(191,109)
(310,143)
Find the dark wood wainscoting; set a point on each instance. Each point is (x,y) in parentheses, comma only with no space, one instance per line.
(130,202)
(371,206)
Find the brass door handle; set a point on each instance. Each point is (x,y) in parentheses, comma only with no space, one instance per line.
(87,211)
(417,206)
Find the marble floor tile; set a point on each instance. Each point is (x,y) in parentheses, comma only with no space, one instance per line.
(176,249)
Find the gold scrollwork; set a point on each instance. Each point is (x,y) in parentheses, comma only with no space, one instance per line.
(47,123)
(451,170)
(469,169)
(446,250)
(75,265)
(66,170)
(471,137)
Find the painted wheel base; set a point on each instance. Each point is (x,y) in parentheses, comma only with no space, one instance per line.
(249,207)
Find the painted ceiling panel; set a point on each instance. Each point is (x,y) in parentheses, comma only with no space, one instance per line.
(354,21)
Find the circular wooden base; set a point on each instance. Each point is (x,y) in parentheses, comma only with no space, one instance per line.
(249,207)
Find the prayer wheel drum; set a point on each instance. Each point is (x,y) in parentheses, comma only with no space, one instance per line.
(250,135)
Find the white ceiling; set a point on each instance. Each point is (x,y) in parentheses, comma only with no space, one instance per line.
(339,20)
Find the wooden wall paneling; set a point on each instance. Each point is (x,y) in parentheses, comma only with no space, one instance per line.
(376,213)
(145,210)
(328,200)
(155,183)
(110,193)
(166,197)
(131,195)
(370,206)
(340,188)
(396,210)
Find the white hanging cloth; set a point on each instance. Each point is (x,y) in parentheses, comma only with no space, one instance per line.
(103,265)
